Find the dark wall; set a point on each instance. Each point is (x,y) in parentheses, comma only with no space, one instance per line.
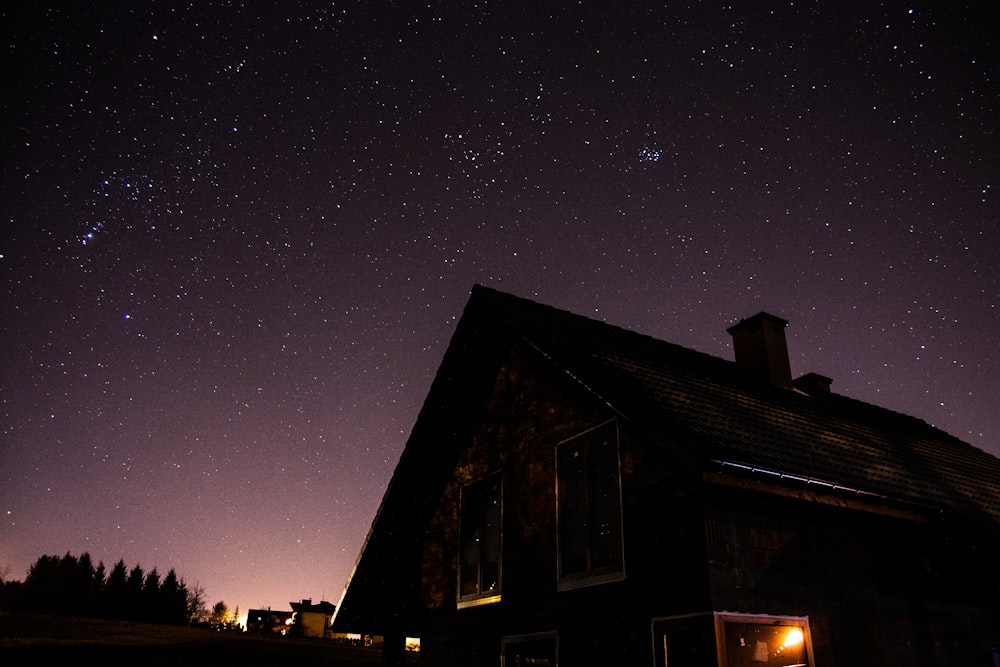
(878,590)
(531,410)
(524,418)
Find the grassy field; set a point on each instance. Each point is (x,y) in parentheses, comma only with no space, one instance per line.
(27,640)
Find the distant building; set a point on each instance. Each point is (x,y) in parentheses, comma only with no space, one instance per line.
(574,493)
(268,622)
(313,620)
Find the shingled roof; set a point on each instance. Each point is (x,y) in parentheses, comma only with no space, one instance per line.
(707,411)
(716,413)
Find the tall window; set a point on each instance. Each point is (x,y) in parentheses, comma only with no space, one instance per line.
(589,508)
(479,533)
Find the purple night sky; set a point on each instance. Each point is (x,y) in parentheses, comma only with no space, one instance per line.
(238,236)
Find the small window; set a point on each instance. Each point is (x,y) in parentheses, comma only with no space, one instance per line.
(589,508)
(536,650)
(479,533)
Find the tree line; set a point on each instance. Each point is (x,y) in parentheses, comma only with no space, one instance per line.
(74,586)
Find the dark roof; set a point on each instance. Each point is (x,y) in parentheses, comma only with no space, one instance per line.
(715,412)
(707,411)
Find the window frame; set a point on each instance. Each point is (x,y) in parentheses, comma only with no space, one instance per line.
(492,595)
(712,628)
(771,620)
(591,575)
(698,623)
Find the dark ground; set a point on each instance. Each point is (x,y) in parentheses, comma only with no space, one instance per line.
(29,640)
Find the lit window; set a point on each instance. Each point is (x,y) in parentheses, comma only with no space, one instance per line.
(775,641)
(589,508)
(479,533)
(737,640)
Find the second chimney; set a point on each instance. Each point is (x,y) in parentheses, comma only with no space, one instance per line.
(759,344)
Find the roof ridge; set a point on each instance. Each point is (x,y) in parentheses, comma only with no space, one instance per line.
(721,364)
(704,406)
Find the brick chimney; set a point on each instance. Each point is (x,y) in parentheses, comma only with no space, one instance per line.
(759,344)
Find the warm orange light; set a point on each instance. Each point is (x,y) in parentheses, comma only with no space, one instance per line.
(793,637)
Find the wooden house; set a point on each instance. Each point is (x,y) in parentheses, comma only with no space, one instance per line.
(574,493)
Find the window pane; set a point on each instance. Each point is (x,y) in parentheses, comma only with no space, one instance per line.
(470,536)
(480,536)
(750,644)
(686,647)
(490,551)
(573,519)
(589,500)
(605,504)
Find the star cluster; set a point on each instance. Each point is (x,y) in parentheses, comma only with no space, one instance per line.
(237,237)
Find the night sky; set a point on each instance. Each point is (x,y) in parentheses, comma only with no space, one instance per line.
(237,237)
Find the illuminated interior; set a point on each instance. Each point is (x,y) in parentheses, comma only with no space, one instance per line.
(732,640)
(793,637)
(753,641)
